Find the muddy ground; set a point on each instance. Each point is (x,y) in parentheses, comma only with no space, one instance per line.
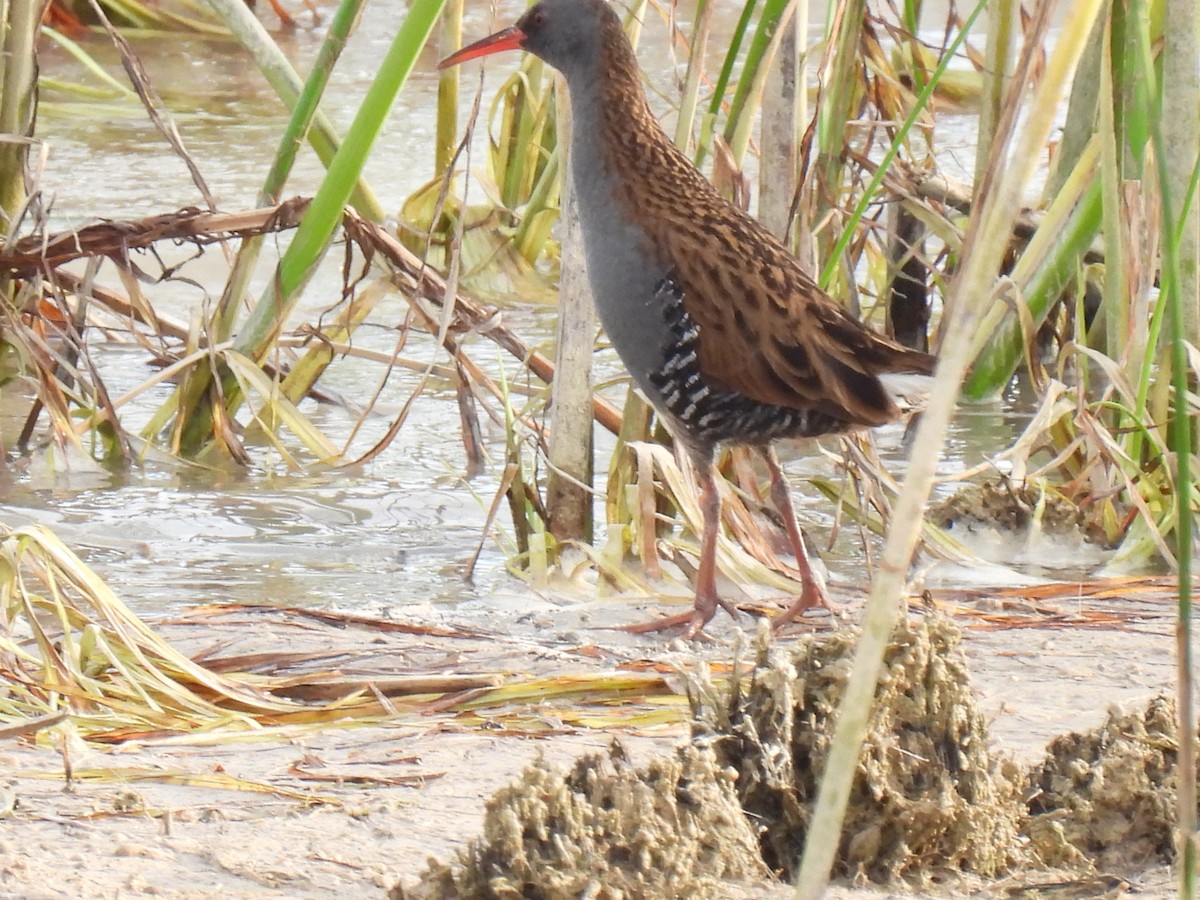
(1043,661)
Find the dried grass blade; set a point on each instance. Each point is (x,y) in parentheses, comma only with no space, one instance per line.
(144,657)
(208,781)
(277,407)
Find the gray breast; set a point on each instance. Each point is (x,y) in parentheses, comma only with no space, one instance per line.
(621,269)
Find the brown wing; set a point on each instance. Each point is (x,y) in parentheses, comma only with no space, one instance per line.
(769,332)
(766,329)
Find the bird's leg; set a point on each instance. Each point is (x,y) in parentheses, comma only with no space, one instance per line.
(812,591)
(707,597)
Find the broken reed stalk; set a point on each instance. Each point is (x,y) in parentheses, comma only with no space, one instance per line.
(418,280)
(783,108)
(46,254)
(37,252)
(18,102)
(569,482)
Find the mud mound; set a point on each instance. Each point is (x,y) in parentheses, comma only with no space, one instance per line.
(929,800)
(606,830)
(1110,794)
(1015,508)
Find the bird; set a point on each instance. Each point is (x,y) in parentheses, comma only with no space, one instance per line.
(719,325)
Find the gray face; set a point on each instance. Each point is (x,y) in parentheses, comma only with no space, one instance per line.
(563,32)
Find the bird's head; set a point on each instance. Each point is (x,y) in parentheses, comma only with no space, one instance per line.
(564,33)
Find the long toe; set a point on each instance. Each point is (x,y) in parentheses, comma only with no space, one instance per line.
(695,627)
(665,623)
(692,622)
(728,607)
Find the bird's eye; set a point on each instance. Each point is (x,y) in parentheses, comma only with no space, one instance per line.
(538,19)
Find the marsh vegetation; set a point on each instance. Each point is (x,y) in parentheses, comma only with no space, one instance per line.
(1010,187)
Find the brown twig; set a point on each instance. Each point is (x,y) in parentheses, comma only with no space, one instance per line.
(469,315)
(115,239)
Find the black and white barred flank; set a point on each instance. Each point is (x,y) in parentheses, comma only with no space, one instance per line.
(705,414)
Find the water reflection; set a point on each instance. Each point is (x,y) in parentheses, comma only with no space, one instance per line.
(362,541)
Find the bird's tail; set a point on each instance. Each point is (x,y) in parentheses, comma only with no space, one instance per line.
(908,390)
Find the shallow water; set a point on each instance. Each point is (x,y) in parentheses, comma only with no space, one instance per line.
(392,534)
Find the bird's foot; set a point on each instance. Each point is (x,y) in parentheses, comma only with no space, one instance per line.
(692,622)
(812,594)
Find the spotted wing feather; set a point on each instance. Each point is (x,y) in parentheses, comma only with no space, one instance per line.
(770,333)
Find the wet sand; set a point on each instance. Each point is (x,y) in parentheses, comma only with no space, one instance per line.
(1038,668)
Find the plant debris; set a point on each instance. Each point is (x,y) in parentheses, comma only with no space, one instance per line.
(930,798)
(606,829)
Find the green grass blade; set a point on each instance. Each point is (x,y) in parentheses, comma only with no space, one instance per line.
(835,258)
(740,122)
(287,85)
(85,59)
(323,216)
(704,145)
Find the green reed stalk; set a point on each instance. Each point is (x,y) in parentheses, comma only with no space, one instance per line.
(708,123)
(1184,485)
(316,359)
(303,113)
(279,73)
(1080,124)
(910,16)
(1072,231)
(1180,336)
(1181,444)
(839,84)
(739,124)
(1134,333)
(1181,135)
(531,112)
(316,231)
(18,101)
(1002,331)
(541,211)
(194,416)
(633,21)
(701,28)
(257,335)
(1114,310)
(449,40)
(998,59)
